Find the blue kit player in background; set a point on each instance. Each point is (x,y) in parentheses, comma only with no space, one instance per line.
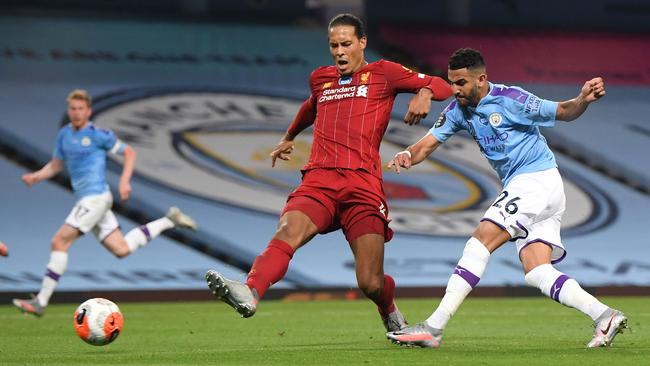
(82,147)
(504,121)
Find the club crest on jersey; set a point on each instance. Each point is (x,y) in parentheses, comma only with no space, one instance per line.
(495,119)
(216,147)
(364,77)
(85,141)
(345,80)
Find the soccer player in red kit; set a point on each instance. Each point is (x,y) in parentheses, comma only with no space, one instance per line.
(350,106)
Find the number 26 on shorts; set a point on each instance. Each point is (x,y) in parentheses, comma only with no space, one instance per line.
(510,206)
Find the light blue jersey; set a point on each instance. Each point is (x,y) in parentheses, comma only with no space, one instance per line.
(84,154)
(505,124)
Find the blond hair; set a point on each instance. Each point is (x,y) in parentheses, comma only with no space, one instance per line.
(80,94)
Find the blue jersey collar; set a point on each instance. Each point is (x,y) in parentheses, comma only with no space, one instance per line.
(89,125)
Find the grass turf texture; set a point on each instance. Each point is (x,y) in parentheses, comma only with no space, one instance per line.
(501,331)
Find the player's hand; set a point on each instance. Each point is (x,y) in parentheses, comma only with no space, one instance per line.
(282,151)
(593,89)
(29,179)
(125,190)
(419,107)
(401,160)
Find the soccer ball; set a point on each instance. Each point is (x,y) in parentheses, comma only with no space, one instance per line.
(4,251)
(98,321)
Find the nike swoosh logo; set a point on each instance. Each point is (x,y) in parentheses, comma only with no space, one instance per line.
(608,325)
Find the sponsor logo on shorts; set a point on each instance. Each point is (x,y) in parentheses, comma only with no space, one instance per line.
(382,209)
(215,145)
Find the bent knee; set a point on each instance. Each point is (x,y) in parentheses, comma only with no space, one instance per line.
(121,252)
(58,243)
(295,233)
(372,287)
(120,255)
(491,235)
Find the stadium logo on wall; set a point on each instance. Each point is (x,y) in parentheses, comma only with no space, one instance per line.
(215,145)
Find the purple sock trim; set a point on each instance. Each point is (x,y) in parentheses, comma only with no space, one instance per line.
(468,276)
(557,286)
(145,230)
(53,275)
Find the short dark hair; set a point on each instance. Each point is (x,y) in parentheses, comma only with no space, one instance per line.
(466,58)
(349,19)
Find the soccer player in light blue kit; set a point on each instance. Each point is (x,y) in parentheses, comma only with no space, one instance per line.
(504,121)
(82,147)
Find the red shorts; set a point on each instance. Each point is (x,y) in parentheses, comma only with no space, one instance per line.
(352,200)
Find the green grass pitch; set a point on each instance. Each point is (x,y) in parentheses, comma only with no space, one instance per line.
(496,331)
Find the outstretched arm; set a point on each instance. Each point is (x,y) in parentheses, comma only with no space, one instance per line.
(414,154)
(127,172)
(304,118)
(52,168)
(571,109)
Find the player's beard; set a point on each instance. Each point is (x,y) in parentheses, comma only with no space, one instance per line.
(473,97)
(470,99)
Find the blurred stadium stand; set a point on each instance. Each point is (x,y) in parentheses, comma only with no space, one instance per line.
(596,15)
(203,90)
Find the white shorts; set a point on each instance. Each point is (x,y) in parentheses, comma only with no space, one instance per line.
(94,212)
(530,208)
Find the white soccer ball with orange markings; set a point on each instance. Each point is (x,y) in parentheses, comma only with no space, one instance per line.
(98,321)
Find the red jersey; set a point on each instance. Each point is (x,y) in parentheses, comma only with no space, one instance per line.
(351,113)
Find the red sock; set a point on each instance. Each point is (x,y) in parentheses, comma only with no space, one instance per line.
(385,302)
(270,266)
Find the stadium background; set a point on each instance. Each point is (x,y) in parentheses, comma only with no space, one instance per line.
(204,89)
